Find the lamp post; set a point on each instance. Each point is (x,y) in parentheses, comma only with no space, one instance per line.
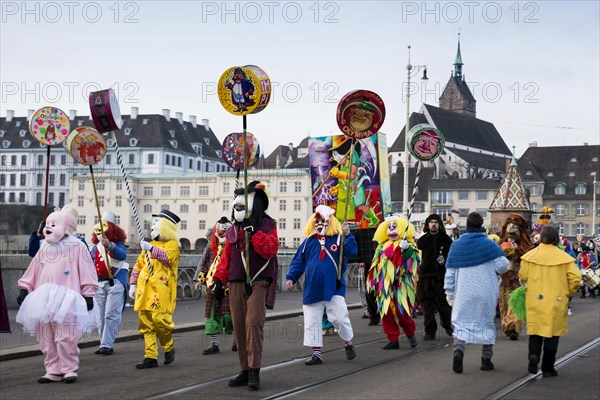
(594,211)
(411,69)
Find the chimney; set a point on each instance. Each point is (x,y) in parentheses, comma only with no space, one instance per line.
(30,114)
(193,120)
(134,112)
(10,114)
(585,143)
(205,124)
(533,144)
(166,113)
(72,114)
(291,146)
(179,116)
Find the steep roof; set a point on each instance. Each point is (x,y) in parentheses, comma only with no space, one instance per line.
(511,196)
(481,160)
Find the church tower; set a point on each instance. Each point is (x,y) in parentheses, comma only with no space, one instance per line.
(456,96)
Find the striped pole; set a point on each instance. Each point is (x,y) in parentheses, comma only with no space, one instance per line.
(414,194)
(246,234)
(131,200)
(111,281)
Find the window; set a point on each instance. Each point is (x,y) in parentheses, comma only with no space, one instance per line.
(132,159)
(550,174)
(580,229)
(148,191)
(281,242)
(118,201)
(282,205)
(81,220)
(202,208)
(483,212)
(168,159)
(226,187)
(13,160)
(39,180)
(597,212)
(534,190)
(2,199)
(52,160)
(534,207)
(580,209)
(560,188)
(40,160)
(183,225)
(23,160)
(184,191)
(11,198)
(283,187)
(165,207)
(202,190)
(51,180)
(296,242)
(165,190)
(226,206)
(100,185)
(573,159)
(184,208)
(101,201)
(107,160)
(150,158)
(22,197)
(580,188)
(561,228)
(297,223)
(442,212)
(463,196)
(147,208)
(190,163)
(61,199)
(298,187)
(463,212)
(202,224)
(63,179)
(119,185)
(297,205)
(281,223)
(179,161)
(24,180)
(147,225)
(80,201)
(38,199)
(442,198)
(572,173)
(482,196)
(560,209)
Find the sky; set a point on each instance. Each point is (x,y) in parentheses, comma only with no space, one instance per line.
(532,66)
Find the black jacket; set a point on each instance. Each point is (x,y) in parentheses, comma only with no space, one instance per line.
(430,246)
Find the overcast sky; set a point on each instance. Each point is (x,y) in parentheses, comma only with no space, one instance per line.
(533,66)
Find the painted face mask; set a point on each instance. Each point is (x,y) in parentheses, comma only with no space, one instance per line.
(321,225)
(220,233)
(392,231)
(154,228)
(56,227)
(239,209)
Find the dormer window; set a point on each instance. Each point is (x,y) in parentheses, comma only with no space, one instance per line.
(5,144)
(560,188)
(133,142)
(26,143)
(550,174)
(173,143)
(573,159)
(172,133)
(219,153)
(572,173)
(580,188)
(17,123)
(80,122)
(22,132)
(206,140)
(595,159)
(145,121)
(110,143)
(127,131)
(2,132)
(528,173)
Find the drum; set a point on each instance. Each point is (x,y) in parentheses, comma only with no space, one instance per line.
(86,145)
(360,114)
(49,125)
(233,150)
(104,108)
(244,90)
(590,278)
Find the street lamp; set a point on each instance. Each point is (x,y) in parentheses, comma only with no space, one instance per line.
(594,211)
(411,69)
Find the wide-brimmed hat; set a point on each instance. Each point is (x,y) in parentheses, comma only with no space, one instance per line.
(168,215)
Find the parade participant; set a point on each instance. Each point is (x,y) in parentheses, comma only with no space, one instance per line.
(515,233)
(217,315)
(110,299)
(36,237)
(318,257)
(551,277)
(586,260)
(392,277)
(56,295)
(157,290)
(434,245)
(472,276)
(248,300)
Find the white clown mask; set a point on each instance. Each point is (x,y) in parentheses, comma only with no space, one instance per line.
(322,214)
(220,229)
(239,209)
(56,227)
(392,231)
(154,231)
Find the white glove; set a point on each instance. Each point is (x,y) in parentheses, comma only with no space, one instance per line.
(145,245)
(289,285)
(132,291)
(404,244)
(450,300)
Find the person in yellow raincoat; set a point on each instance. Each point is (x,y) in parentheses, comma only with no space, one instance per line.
(551,277)
(155,291)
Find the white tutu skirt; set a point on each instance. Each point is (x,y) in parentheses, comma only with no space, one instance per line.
(52,303)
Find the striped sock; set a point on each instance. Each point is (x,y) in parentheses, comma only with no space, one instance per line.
(317,352)
(213,340)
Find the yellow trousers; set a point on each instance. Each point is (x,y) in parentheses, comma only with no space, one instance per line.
(153,325)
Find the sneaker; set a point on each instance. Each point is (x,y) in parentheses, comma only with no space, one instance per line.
(213,349)
(532,367)
(392,345)
(240,380)
(457,362)
(412,340)
(147,363)
(486,364)
(314,360)
(428,337)
(350,352)
(550,374)
(169,357)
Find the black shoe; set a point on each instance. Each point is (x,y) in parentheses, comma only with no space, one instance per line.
(104,351)
(240,380)
(392,345)
(486,364)
(254,378)
(314,360)
(532,367)
(550,374)
(43,379)
(412,340)
(71,379)
(514,336)
(214,349)
(428,337)
(457,362)
(147,363)
(350,353)
(169,357)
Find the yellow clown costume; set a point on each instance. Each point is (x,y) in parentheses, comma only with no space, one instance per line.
(154,288)
(392,278)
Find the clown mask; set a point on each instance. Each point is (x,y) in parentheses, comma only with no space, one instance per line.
(239,208)
(392,231)
(220,229)
(56,227)
(154,229)
(321,224)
